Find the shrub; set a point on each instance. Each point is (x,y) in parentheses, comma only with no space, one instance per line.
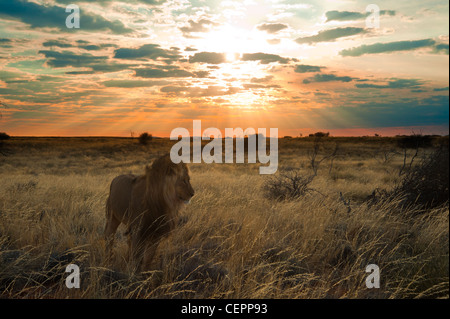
(4,136)
(144,138)
(415,141)
(321,134)
(287,185)
(426,184)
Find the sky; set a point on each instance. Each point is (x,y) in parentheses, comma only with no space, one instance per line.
(344,67)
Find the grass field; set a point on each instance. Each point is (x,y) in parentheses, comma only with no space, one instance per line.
(233,240)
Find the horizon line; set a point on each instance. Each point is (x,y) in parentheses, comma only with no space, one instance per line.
(162,137)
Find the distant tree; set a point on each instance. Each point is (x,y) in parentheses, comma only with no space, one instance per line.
(415,141)
(144,138)
(321,134)
(287,136)
(377,135)
(4,136)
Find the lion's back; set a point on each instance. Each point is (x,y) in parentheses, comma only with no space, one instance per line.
(120,194)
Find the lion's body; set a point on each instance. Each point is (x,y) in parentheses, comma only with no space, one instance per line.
(147,204)
(120,196)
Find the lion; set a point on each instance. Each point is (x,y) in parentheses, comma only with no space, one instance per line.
(147,205)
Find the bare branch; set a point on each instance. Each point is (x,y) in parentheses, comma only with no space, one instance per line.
(315,162)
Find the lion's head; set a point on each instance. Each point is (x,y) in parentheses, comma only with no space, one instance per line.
(170,180)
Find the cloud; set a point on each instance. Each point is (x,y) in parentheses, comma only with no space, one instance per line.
(86,45)
(265,58)
(97,64)
(93,47)
(79,72)
(208,57)
(67,58)
(110,67)
(440,48)
(265,79)
(202,25)
(148,51)
(440,89)
(7,76)
(40,16)
(6,43)
(162,72)
(57,43)
(273,41)
(303,68)
(149,2)
(201,74)
(9,43)
(327,78)
(132,83)
(248,86)
(352,16)
(186,91)
(393,84)
(43,90)
(272,27)
(331,35)
(394,47)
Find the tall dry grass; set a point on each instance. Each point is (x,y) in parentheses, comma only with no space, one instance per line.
(232,241)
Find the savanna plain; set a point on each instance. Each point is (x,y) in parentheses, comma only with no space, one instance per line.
(334,206)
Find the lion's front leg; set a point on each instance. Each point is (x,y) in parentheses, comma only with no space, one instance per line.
(110,231)
(135,253)
(141,253)
(149,255)
(129,244)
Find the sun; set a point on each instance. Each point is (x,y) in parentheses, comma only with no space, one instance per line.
(231,56)
(232,41)
(235,73)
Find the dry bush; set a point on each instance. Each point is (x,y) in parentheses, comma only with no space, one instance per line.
(144,138)
(415,141)
(287,185)
(427,183)
(4,136)
(291,184)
